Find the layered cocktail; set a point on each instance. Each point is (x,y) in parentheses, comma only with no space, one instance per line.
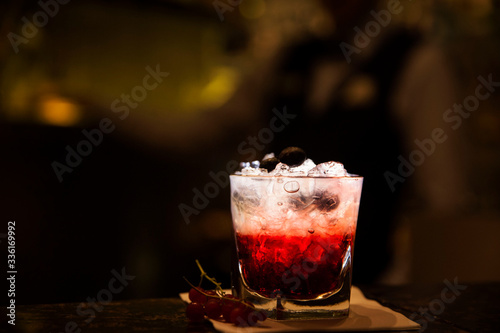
(294,230)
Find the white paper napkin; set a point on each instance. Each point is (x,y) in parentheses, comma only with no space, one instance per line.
(364,315)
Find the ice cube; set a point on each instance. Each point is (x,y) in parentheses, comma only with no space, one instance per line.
(281,170)
(326,201)
(268,156)
(303,169)
(328,169)
(249,171)
(246,199)
(299,202)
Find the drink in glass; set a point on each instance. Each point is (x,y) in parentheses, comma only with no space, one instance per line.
(294,231)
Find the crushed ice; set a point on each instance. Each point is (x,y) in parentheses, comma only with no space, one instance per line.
(307,168)
(328,169)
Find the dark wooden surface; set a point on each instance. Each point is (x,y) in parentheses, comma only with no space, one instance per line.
(474,309)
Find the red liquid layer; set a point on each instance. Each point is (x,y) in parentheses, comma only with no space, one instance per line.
(296,267)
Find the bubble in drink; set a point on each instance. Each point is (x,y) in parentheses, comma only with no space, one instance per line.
(292,186)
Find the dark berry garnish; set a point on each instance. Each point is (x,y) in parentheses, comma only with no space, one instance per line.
(213,308)
(217,305)
(269,163)
(196,295)
(227,308)
(238,317)
(195,312)
(292,156)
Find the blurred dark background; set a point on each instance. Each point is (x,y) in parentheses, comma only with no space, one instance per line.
(119,207)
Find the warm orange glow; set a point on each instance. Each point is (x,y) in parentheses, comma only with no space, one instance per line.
(55,110)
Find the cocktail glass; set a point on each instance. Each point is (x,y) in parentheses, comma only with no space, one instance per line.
(294,240)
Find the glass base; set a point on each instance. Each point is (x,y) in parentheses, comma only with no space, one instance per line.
(335,306)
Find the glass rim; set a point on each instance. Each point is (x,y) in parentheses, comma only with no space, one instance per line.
(351,176)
